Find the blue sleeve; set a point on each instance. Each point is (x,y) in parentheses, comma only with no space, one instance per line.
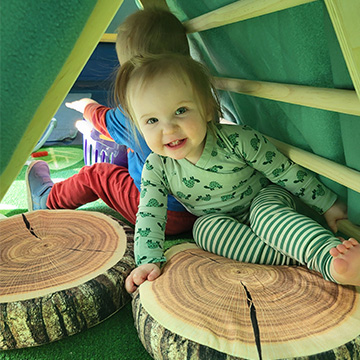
(124,133)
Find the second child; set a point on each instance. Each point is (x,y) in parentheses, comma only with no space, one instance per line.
(146,31)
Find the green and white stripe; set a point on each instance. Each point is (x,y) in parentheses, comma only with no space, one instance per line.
(277,234)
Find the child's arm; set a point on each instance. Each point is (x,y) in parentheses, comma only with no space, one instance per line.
(262,155)
(93,112)
(150,219)
(141,274)
(336,212)
(80,105)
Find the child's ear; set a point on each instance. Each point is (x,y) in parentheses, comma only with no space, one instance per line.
(209,117)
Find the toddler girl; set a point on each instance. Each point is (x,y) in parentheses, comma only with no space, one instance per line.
(230,176)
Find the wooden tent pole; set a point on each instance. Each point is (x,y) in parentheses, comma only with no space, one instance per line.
(337,172)
(330,169)
(108,37)
(349,229)
(238,11)
(343,101)
(345,19)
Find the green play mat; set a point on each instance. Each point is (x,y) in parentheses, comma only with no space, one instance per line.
(61,157)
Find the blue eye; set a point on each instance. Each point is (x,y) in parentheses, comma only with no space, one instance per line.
(180,111)
(152,121)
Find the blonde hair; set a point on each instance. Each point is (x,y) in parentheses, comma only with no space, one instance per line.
(152,31)
(143,69)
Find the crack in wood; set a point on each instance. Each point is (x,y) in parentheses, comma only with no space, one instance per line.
(253,318)
(28,226)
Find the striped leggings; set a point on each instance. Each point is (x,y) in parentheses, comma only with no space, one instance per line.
(277,234)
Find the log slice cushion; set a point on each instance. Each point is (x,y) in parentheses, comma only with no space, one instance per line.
(61,272)
(204,306)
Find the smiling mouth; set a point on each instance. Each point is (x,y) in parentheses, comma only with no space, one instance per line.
(175,144)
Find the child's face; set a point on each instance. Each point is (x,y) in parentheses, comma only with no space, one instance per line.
(170,118)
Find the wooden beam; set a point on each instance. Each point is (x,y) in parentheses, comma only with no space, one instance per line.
(349,229)
(343,101)
(345,17)
(153,3)
(330,169)
(238,11)
(339,173)
(108,38)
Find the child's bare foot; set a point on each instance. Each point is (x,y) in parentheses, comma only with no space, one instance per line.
(345,267)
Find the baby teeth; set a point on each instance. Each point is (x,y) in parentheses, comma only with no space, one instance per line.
(176,142)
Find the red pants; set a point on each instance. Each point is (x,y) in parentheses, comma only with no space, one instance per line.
(114,185)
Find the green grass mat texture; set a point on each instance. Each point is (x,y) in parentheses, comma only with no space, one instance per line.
(113,339)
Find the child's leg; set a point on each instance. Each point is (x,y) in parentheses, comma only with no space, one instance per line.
(111,183)
(274,219)
(179,222)
(114,185)
(225,236)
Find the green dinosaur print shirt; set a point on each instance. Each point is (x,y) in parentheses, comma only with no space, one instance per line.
(235,164)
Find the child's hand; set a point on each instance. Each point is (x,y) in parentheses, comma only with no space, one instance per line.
(80,105)
(140,274)
(337,212)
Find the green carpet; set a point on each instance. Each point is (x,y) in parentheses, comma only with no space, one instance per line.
(113,339)
(63,162)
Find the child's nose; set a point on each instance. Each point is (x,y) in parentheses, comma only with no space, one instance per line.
(169,128)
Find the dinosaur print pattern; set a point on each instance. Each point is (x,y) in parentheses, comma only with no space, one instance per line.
(211,211)
(247,192)
(215,168)
(213,185)
(165,179)
(277,172)
(235,166)
(300,176)
(161,226)
(164,192)
(300,193)
(282,183)
(143,232)
(233,139)
(154,203)
(221,144)
(148,165)
(263,182)
(228,197)
(237,169)
(153,244)
(181,195)
(255,142)
(319,191)
(146,183)
(145,214)
(269,157)
(207,197)
(190,182)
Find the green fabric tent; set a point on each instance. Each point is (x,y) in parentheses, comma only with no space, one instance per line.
(45,45)
(296,46)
